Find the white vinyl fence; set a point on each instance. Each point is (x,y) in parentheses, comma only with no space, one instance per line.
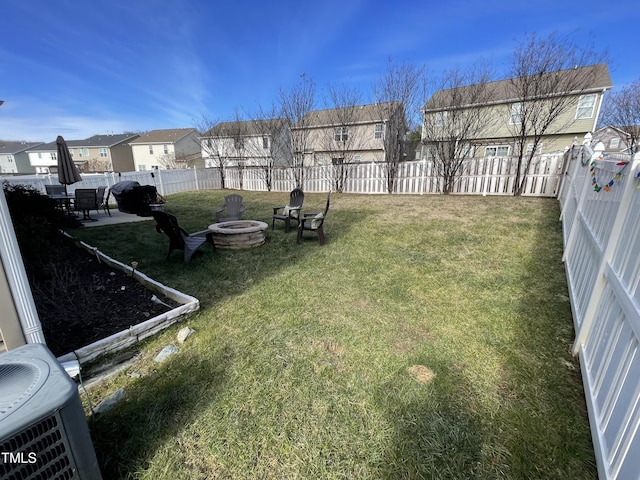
(479,176)
(600,201)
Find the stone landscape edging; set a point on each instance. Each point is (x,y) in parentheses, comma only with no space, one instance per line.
(135,333)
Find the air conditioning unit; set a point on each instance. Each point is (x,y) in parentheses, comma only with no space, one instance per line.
(43,429)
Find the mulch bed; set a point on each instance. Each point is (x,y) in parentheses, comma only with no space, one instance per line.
(81,300)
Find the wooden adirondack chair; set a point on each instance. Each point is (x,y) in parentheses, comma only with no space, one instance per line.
(314,222)
(289,212)
(179,239)
(233,209)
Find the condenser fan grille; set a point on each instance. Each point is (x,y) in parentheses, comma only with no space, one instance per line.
(46,440)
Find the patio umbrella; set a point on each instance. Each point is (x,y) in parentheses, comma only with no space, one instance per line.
(67,171)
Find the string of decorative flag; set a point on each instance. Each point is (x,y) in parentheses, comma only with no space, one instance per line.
(614,172)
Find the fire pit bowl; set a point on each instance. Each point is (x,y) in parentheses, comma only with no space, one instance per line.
(237,234)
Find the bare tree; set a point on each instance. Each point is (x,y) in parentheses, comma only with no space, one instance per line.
(622,110)
(222,144)
(295,105)
(270,144)
(402,89)
(450,126)
(342,134)
(548,75)
(213,146)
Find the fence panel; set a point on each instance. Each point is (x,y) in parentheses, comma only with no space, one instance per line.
(601,223)
(478,176)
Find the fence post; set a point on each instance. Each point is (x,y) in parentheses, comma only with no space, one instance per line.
(195,177)
(612,243)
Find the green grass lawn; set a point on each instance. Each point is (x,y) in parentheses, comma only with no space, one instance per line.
(429,338)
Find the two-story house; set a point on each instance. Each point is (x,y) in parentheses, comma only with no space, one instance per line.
(247,143)
(560,106)
(167,149)
(353,134)
(96,154)
(14,157)
(615,140)
(103,153)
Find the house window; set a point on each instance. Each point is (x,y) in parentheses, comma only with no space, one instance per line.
(86,152)
(586,106)
(265,142)
(341,134)
(79,153)
(378,131)
(54,156)
(103,152)
(142,167)
(238,143)
(614,143)
(517,112)
(357,158)
(496,151)
(165,149)
(150,149)
(440,119)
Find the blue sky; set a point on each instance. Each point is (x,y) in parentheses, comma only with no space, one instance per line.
(76,68)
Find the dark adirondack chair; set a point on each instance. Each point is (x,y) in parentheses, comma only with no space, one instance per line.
(85,201)
(314,222)
(233,208)
(179,239)
(289,212)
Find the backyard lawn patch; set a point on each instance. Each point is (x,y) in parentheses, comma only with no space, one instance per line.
(429,338)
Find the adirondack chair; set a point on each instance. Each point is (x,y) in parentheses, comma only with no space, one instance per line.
(233,208)
(179,239)
(289,212)
(314,222)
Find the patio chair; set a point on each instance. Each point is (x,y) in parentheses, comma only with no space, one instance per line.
(179,239)
(289,212)
(313,222)
(103,199)
(54,189)
(233,209)
(86,200)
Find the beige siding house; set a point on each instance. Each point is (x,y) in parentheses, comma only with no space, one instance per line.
(97,154)
(167,149)
(353,134)
(250,143)
(103,153)
(502,109)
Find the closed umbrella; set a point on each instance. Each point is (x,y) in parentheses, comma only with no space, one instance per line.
(67,171)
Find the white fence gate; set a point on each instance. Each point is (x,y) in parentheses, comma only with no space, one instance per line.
(600,202)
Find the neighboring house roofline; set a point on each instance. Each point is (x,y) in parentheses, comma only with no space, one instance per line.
(499,90)
(167,136)
(361,115)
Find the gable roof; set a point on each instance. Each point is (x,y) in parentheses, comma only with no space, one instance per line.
(163,136)
(108,140)
(357,114)
(500,91)
(11,148)
(246,127)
